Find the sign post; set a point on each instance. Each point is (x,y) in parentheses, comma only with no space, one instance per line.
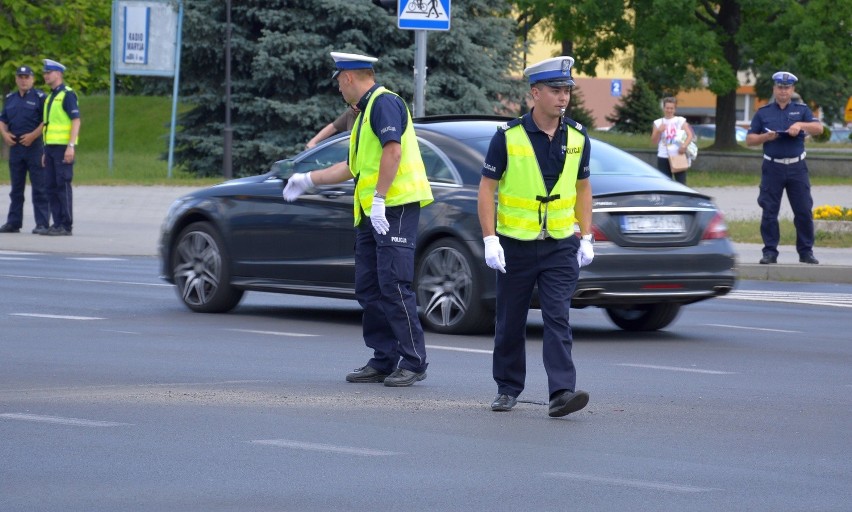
(420,16)
(146,39)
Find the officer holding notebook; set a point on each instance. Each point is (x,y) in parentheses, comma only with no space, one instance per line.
(781,126)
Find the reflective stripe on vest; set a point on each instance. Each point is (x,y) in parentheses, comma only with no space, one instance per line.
(410,184)
(57,124)
(524,208)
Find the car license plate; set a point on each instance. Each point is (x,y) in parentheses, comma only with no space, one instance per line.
(653,224)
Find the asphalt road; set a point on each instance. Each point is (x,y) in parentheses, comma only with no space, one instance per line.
(115,397)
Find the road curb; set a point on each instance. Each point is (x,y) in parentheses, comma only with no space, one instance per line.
(801,272)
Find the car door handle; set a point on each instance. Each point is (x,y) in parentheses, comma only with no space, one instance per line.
(332,194)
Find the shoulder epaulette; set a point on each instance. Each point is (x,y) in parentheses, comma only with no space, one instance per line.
(510,124)
(11,93)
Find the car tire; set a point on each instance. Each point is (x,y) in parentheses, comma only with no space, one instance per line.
(201,270)
(449,292)
(643,317)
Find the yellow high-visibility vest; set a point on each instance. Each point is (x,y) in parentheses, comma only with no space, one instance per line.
(524,208)
(57,124)
(410,184)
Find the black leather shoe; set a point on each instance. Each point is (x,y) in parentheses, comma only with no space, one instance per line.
(503,403)
(8,228)
(366,374)
(769,258)
(58,231)
(568,402)
(403,378)
(809,259)
(39,230)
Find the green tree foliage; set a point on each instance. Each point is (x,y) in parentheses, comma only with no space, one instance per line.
(637,111)
(73,32)
(578,112)
(589,31)
(282,91)
(682,44)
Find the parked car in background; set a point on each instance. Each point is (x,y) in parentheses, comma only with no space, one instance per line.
(840,135)
(660,245)
(708,131)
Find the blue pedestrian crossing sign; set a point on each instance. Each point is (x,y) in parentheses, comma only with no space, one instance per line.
(423,14)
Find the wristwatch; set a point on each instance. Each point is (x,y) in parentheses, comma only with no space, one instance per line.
(71,145)
(589,238)
(380,196)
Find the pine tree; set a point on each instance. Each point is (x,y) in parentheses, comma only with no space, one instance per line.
(637,111)
(282,91)
(578,112)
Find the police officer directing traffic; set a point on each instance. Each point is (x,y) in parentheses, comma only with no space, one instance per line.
(21,125)
(538,165)
(61,130)
(781,126)
(390,188)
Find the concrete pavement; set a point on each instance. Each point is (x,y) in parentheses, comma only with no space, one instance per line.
(125,221)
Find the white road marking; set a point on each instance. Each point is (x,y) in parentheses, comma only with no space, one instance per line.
(19,253)
(60,317)
(97,258)
(120,332)
(275,333)
(638,484)
(840,300)
(347,450)
(460,349)
(676,369)
(753,328)
(77,422)
(12,258)
(97,281)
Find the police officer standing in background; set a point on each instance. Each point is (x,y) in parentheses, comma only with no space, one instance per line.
(781,127)
(391,187)
(61,130)
(539,167)
(21,126)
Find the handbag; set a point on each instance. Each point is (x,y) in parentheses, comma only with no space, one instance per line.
(678,162)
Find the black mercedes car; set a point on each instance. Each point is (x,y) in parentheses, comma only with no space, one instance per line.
(659,245)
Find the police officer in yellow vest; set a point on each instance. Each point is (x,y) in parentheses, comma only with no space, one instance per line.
(391,187)
(538,165)
(61,129)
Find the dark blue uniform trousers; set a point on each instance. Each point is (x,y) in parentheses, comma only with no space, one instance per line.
(59,176)
(775,179)
(24,159)
(384,270)
(552,264)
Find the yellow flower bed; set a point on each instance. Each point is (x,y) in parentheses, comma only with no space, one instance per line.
(832,212)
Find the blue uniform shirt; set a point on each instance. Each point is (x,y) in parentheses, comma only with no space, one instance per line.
(389,117)
(550,154)
(772,117)
(23,114)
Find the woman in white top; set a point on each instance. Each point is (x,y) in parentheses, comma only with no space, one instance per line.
(672,134)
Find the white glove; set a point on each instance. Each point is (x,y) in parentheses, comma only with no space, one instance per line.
(586,253)
(377,216)
(494,256)
(296,186)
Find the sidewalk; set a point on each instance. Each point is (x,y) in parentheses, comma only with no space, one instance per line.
(125,221)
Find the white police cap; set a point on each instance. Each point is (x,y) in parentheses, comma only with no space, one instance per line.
(52,65)
(344,61)
(784,78)
(555,72)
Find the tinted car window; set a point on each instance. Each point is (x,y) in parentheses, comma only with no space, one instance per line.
(337,151)
(606,159)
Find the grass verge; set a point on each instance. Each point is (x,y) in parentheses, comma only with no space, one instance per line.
(748,232)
